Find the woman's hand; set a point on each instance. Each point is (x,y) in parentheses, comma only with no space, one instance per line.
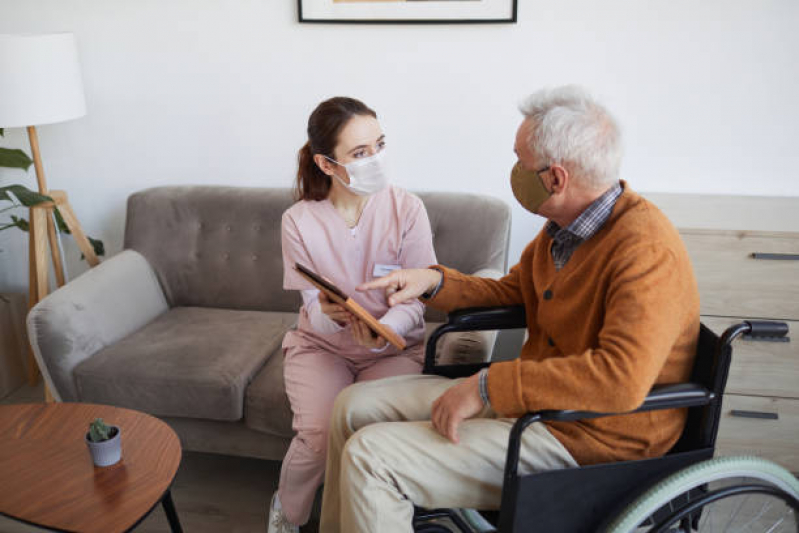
(334,311)
(365,336)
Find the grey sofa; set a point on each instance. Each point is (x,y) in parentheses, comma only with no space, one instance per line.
(186,323)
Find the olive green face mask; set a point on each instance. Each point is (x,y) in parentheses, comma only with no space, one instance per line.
(528,187)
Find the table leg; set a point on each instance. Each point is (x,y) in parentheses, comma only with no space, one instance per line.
(171,513)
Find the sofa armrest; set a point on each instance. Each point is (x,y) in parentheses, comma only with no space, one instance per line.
(465,347)
(96,309)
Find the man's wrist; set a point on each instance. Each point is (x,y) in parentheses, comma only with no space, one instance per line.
(430,293)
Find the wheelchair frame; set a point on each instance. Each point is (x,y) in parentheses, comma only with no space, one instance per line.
(584,499)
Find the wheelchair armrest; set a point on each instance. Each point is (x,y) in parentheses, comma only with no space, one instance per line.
(660,397)
(471,319)
(482,318)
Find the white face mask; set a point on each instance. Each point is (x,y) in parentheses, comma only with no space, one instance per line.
(367,175)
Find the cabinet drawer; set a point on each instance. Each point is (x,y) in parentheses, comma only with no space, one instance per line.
(761,368)
(774,439)
(732,282)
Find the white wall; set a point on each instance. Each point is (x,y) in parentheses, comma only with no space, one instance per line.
(213,91)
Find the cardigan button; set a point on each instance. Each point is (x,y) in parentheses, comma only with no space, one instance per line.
(547,294)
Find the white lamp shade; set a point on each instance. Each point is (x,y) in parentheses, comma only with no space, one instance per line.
(40,81)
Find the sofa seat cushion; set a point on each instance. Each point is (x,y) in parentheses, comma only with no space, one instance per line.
(266,407)
(189,362)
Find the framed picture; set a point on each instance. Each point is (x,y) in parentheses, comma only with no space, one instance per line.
(408,11)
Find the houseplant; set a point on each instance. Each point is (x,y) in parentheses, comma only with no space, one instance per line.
(104,442)
(20,196)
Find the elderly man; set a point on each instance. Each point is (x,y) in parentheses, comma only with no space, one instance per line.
(612,309)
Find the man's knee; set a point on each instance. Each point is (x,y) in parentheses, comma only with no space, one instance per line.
(363,449)
(351,407)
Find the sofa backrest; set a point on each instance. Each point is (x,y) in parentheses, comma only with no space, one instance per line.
(215,246)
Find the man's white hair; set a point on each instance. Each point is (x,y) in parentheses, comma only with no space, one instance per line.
(569,128)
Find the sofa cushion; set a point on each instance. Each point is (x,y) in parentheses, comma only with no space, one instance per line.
(266,407)
(222,245)
(189,362)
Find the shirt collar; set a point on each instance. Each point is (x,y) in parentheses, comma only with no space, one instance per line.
(589,221)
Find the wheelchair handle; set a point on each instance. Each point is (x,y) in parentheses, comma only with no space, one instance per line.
(756,329)
(767,328)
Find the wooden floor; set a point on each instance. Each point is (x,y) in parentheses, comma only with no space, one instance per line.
(212,493)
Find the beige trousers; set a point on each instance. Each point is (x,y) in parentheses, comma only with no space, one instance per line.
(384,457)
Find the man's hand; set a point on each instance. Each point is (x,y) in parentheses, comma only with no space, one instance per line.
(404,285)
(334,311)
(365,336)
(458,403)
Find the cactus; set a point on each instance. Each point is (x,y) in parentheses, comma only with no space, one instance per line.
(99,431)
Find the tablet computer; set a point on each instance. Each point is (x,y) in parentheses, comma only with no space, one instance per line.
(337,295)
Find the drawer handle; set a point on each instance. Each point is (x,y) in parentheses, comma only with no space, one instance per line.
(750,338)
(775,257)
(754,414)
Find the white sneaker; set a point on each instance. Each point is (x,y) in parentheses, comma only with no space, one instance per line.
(276,521)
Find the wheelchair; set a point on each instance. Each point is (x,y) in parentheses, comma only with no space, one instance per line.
(685,490)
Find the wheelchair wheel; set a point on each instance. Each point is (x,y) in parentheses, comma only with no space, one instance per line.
(722,494)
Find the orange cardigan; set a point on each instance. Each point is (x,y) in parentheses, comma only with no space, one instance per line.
(621,316)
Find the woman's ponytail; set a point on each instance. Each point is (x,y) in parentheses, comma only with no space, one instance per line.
(324,126)
(312,183)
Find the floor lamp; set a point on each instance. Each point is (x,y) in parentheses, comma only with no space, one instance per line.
(40,83)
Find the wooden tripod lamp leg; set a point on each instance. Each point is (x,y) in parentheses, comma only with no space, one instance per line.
(77,232)
(55,252)
(38,272)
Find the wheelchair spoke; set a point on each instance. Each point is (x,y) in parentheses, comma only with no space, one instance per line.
(771,530)
(738,509)
(755,518)
(742,514)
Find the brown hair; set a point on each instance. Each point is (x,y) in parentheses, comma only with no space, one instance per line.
(324,126)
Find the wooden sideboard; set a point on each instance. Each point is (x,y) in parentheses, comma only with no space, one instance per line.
(745,253)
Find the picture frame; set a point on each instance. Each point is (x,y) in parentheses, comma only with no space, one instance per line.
(407,11)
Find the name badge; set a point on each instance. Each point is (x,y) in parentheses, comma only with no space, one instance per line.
(384,270)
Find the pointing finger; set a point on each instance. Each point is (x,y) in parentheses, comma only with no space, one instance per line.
(379,283)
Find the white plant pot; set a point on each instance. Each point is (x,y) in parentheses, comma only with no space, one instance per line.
(107,452)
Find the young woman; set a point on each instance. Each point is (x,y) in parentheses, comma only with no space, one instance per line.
(350,225)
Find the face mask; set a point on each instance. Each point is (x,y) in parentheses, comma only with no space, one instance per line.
(367,175)
(528,187)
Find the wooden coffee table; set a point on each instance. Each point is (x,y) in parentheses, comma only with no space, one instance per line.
(47,477)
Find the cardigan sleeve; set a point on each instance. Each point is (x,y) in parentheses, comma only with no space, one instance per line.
(459,290)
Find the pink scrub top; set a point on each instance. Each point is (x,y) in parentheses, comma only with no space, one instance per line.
(393,232)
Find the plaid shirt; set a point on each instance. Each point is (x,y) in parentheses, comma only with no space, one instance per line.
(566,240)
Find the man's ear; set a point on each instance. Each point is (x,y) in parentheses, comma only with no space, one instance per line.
(324,165)
(560,179)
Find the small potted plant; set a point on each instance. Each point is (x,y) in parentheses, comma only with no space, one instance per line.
(105,443)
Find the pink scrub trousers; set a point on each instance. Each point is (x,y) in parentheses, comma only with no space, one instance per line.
(313,380)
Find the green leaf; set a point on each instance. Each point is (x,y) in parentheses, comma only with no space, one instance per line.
(59,222)
(14,159)
(26,197)
(20,223)
(1,133)
(99,247)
